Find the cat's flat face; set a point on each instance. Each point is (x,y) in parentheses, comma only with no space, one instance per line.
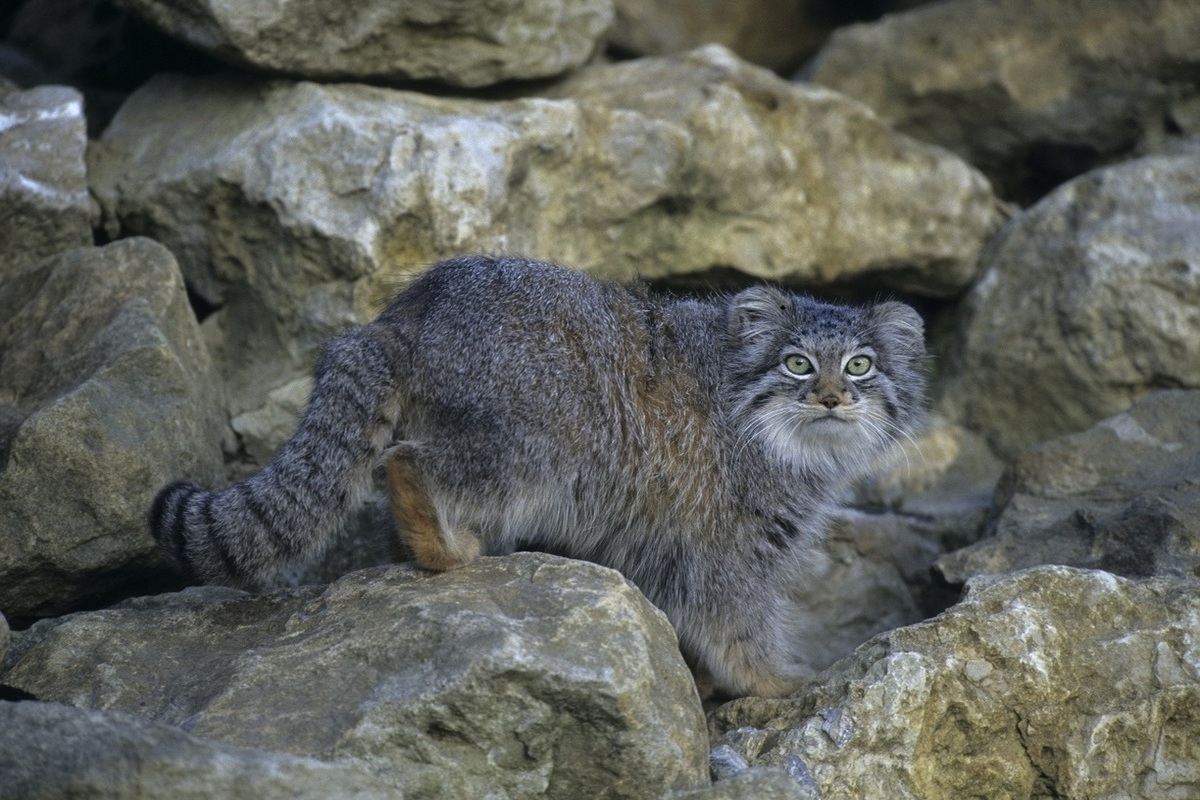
(822,385)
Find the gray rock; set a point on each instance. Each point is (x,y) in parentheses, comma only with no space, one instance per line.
(105,394)
(756,783)
(1088,301)
(43,186)
(1033,93)
(50,751)
(1121,496)
(1052,682)
(526,676)
(773,33)
(651,168)
(780,181)
(4,637)
(463,44)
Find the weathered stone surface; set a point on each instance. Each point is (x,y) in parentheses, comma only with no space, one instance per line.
(1089,300)
(462,43)
(55,752)
(1122,496)
(772,33)
(723,165)
(43,187)
(526,676)
(776,180)
(4,637)
(777,34)
(105,395)
(262,430)
(756,783)
(1033,93)
(1053,682)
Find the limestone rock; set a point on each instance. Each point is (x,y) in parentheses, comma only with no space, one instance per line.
(646,169)
(1033,93)
(756,783)
(1121,496)
(105,395)
(1053,682)
(772,33)
(1088,301)
(55,752)
(779,181)
(43,187)
(263,430)
(463,43)
(526,676)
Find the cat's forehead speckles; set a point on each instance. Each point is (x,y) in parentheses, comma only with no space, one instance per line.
(818,324)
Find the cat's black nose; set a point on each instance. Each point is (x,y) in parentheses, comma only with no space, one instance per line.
(831,401)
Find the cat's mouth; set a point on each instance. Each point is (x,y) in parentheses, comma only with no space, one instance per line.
(834,416)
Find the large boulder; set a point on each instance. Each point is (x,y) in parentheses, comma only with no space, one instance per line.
(650,168)
(105,394)
(1121,496)
(527,676)
(43,187)
(462,43)
(1053,682)
(1089,300)
(739,169)
(51,751)
(773,33)
(1031,92)
(756,783)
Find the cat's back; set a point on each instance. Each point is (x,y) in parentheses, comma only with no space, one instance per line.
(480,329)
(484,298)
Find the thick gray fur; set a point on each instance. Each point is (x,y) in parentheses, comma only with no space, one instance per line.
(659,436)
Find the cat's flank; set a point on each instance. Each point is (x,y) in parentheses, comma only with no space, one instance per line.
(696,447)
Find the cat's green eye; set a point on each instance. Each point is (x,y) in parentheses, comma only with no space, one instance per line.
(798,365)
(858,366)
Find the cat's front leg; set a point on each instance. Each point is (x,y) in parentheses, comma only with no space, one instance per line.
(742,643)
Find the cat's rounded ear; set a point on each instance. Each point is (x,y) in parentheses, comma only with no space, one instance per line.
(900,323)
(758,311)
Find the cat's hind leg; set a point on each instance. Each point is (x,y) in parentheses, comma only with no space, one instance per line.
(434,546)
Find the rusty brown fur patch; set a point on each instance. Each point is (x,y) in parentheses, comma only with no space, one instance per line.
(418,523)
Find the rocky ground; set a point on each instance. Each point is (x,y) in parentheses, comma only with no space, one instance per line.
(194,195)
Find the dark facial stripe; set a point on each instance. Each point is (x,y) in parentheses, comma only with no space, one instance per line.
(780,531)
(759,400)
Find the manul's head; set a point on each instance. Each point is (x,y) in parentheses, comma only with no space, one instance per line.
(826,387)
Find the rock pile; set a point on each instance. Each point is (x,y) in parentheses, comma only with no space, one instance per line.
(433,687)
(1032,93)
(181,230)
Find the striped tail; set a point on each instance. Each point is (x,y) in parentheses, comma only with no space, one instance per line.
(294,507)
